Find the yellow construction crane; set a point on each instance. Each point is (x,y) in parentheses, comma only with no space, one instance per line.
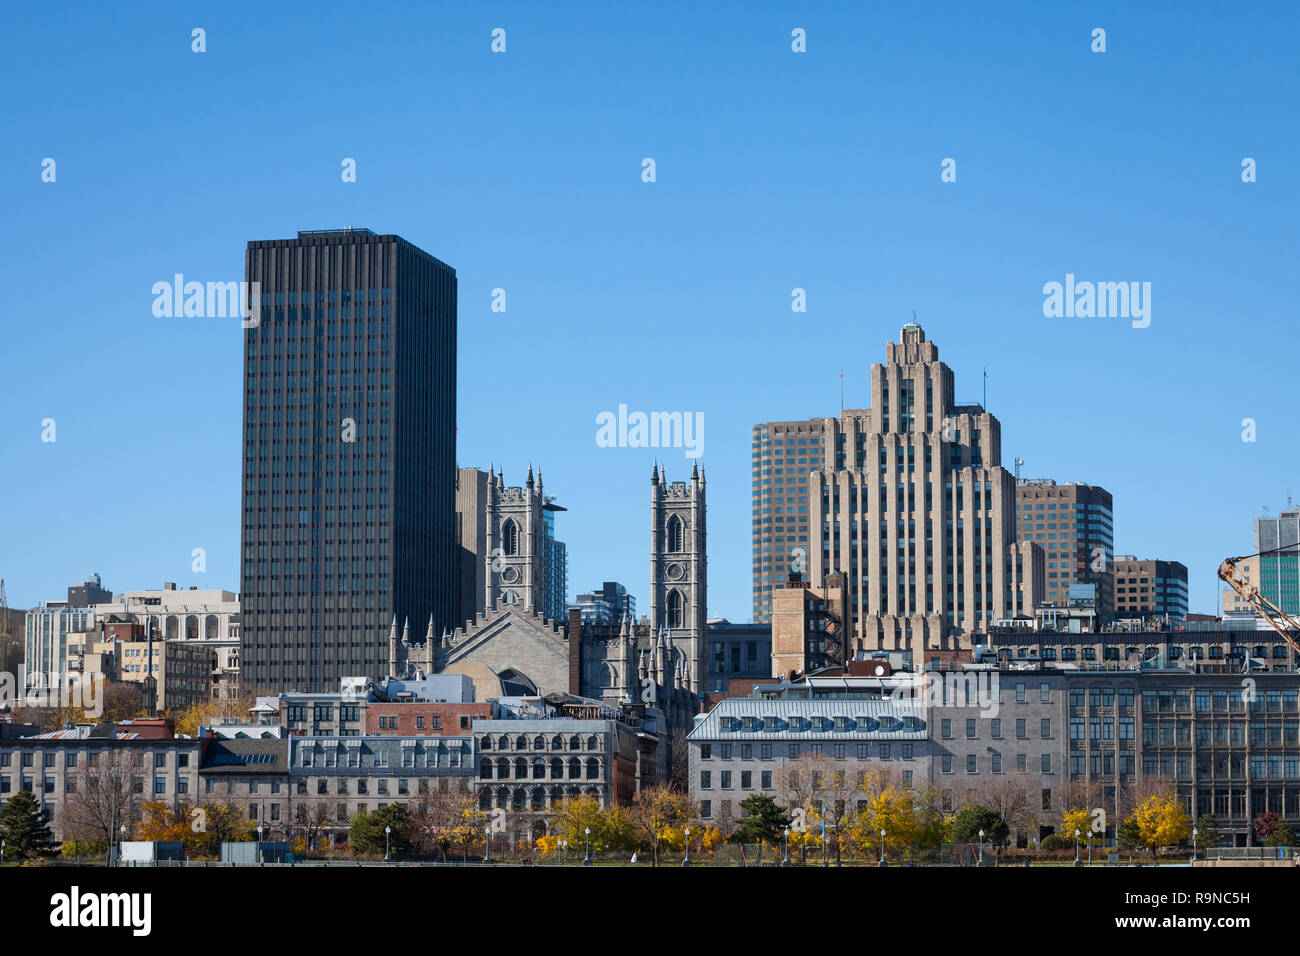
(1278,619)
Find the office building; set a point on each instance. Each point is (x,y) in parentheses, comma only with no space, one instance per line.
(910,502)
(1074,525)
(1149,588)
(348,455)
(609,605)
(1277,540)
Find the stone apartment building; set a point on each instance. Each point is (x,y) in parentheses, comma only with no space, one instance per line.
(59,767)
(743,746)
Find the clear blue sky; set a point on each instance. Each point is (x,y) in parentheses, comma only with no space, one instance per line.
(775,170)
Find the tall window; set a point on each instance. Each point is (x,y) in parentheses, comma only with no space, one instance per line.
(676,612)
(510,537)
(675,534)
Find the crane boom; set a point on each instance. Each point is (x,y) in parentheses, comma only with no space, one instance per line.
(1232,576)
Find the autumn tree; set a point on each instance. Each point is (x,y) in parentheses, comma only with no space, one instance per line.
(448,821)
(654,811)
(1161,822)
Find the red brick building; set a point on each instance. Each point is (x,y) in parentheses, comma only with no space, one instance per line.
(423,718)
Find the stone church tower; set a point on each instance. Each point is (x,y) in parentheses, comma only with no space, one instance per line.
(514,533)
(678,573)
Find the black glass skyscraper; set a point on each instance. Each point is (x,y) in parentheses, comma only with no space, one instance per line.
(349,451)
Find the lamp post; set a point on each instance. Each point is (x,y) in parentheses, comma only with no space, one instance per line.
(1090,848)
(1194,831)
(1076,849)
(120,841)
(2,852)
(786,860)
(387,832)
(882,848)
(823,843)
(687,860)
(564,848)
(487,843)
(261,861)
(586,860)
(981,861)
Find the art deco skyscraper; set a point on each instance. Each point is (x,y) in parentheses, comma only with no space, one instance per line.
(348,455)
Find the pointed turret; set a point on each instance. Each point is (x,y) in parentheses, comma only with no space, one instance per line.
(529,483)
(392,648)
(654,474)
(406,633)
(428,634)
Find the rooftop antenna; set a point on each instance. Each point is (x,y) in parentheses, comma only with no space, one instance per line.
(842,392)
(985,403)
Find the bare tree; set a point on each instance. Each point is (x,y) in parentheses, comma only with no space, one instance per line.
(679,762)
(1011,796)
(312,818)
(107,795)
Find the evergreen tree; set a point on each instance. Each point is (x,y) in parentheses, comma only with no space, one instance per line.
(973,818)
(24,827)
(764,819)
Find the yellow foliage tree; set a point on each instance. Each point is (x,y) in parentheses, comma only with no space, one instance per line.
(1077,818)
(1161,822)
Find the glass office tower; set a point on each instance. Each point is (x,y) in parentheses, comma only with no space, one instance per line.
(348,455)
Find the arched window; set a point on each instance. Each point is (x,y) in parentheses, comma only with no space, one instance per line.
(211,629)
(503,768)
(503,743)
(575,768)
(518,799)
(521,743)
(510,537)
(521,768)
(557,768)
(539,799)
(171,627)
(593,743)
(485,800)
(557,742)
(575,743)
(485,743)
(593,768)
(539,743)
(485,769)
(675,534)
(676,609)
(191,627)
(557,796)
(539,768)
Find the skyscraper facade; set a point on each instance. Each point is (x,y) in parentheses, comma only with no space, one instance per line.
(908,500)
(348,454)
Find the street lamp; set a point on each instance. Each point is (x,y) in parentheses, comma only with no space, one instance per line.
(1076,849)
(786,861)
(487,840)
(882,847)
(687,860)
(387,832)
(1194,831)
(823,843)
(564,847)
(586,860)
(2,852)
(981,863)
(120,841)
